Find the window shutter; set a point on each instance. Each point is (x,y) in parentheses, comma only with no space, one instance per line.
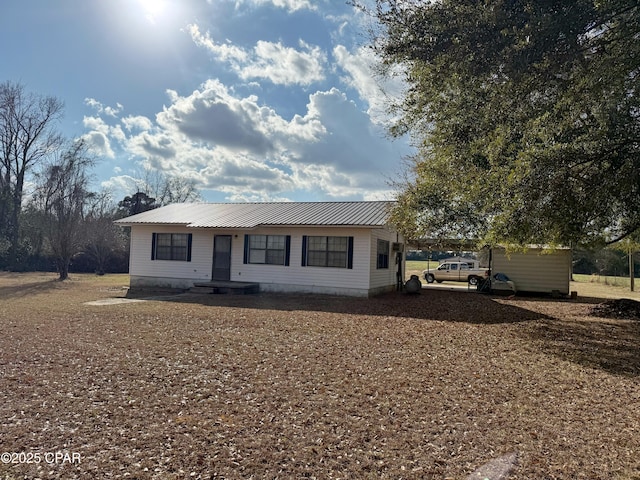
(153,246)
(245,258)
(350,253)
(304,250)
(287,250)
(189,243)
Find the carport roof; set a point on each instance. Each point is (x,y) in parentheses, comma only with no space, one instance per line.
(251,215)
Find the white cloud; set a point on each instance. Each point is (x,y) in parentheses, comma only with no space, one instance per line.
(286,66)
(138,122)
(99,136)
(247,151)
(377,91)
(225,52)
(268,60)
(153,146)
(353,158)
(102,109)
(290,5)
(245,175)
(214,116)
(120,185)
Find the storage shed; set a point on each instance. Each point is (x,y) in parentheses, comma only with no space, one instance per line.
(536,269)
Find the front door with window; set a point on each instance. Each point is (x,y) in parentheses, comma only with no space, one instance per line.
(221,257)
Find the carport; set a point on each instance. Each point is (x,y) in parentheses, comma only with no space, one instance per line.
(445,245)
(535,269)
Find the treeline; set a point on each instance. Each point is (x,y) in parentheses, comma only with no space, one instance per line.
(607,261)
(50,217)
(610,261)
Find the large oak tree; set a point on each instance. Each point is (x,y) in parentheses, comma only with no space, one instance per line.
(526,113)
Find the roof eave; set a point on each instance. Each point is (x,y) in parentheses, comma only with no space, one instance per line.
(285,225)
(130,224)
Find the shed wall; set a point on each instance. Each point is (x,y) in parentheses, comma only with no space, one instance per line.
(535,270)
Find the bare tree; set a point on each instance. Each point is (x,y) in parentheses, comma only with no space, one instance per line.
(156,189)
(166,189)
(63,195)
(177,189)
(27,138)
(103,236)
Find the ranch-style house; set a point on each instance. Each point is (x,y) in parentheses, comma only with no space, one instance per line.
(343,248)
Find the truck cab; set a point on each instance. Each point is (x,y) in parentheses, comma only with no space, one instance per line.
(457,272)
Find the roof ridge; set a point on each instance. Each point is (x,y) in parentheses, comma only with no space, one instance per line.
(285,203)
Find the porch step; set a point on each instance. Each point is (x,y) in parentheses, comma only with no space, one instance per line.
(225,287)
(201,289)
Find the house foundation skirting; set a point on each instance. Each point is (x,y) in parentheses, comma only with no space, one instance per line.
(324,290)
(138,282)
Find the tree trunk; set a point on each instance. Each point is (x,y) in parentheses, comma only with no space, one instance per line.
(14,221)
(63,269)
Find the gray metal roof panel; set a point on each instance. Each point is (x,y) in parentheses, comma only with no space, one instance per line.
(251,215)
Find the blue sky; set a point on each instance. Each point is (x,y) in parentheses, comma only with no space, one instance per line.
(255,100)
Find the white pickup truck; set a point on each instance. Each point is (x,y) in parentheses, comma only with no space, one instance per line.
(457,272)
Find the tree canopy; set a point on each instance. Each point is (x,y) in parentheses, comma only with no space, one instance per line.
(27,139)
(63,196)
(526,115)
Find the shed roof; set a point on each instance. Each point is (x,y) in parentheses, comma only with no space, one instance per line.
(251,215)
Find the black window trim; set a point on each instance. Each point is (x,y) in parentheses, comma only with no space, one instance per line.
(382,259)
(305,262)
(287,250)
(154,244)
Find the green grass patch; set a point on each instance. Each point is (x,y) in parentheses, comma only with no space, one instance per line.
(421,264)
(604,280)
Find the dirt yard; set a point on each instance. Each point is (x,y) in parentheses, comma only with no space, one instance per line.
(430,386)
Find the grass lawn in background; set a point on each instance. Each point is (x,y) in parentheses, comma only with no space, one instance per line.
(622,282)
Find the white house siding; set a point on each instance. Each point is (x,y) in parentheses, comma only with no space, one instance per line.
(145,272)
(535,270)
(362,280)
(295,277)
(383,279)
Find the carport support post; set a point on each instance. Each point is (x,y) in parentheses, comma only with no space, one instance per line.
(631,265)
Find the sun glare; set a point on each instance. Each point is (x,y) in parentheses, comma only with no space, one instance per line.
(153,9)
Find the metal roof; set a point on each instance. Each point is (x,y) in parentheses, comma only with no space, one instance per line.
(251,215)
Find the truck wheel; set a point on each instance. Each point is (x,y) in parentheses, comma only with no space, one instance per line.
(473,280)
(429,278)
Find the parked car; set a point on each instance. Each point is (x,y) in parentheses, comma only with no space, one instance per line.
(457,272)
